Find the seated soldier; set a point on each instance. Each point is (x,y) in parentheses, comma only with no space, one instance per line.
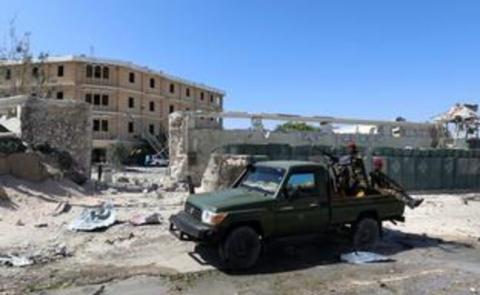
(353,177)
(387,186)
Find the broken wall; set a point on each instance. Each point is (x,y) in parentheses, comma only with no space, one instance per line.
(191,146)
(63,124)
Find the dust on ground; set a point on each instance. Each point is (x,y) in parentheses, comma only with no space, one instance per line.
(435,251)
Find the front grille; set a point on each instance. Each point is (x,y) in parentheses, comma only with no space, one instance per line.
(194,211)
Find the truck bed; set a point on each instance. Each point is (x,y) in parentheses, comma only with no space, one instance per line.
(347,209)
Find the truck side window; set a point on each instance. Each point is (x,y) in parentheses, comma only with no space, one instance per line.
(302,184)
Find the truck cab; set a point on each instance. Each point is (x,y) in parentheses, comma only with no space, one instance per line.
(276,199)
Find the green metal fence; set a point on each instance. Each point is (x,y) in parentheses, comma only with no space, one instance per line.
(415,169)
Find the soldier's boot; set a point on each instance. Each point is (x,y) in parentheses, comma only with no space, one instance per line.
(417,202)
(414,203)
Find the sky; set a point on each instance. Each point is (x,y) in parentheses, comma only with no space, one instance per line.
(359,59)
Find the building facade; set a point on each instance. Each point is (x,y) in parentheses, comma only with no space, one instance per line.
(129,102)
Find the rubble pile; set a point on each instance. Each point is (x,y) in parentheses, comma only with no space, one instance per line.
(26,257)
(223,169)
(37,163)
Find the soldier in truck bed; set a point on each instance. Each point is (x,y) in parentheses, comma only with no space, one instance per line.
(387,186)
(353,177)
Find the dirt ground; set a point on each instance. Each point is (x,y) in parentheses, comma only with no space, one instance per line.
(436,251)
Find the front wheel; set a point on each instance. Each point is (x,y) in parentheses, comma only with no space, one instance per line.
(241,248)
(365,234)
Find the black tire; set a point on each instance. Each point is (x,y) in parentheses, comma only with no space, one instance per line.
(241,248)
(365,234)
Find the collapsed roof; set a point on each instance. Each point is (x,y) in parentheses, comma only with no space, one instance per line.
(460,113)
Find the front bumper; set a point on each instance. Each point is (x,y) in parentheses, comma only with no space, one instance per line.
(186,227)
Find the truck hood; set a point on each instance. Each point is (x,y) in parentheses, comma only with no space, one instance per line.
(229,199)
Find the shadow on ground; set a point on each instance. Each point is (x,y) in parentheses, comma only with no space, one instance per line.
(6,202)
(306,252)
(46,190)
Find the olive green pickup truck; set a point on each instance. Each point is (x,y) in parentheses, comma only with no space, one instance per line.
(277,199)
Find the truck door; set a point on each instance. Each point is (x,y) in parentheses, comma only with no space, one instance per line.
(302,210)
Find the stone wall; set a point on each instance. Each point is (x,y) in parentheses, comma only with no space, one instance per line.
(63,124)
(191,147)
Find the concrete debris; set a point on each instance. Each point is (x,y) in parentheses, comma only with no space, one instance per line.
(144,219)
(222,171)
(120,239)
(474,198)
(361,257)
(17,261)
(169,184)
(63,207)
(49,254)
(39,164)
(459,112)
(99,291)
(95,218)
(62,161)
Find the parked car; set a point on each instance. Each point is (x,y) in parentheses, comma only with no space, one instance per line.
(277,199)
(156,160)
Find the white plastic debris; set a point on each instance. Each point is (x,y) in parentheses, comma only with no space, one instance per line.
(360,257)
(93,219)
(13,260)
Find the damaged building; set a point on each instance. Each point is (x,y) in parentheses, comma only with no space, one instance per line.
(421,156)
(130,103)
(41,138)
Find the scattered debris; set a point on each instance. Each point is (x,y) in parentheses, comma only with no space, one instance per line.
(123,179)
(120,239)
(474,198)
(63,207)
(51,253)
(41,225)
(143,219)
(13,260)
(361,257)
(94,218)
(99,291)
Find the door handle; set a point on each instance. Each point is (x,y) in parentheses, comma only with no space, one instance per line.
(286,208)
(313,205)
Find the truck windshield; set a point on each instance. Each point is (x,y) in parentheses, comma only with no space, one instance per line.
(264,179)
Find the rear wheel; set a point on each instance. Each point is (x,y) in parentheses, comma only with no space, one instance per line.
(365,234)
(241,248)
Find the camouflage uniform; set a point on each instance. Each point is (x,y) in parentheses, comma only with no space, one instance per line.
(388,187)
(353,176)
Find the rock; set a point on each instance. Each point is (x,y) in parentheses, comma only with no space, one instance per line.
(62,207)
(41,225)
(19,223)
(99,291)
(142,219)
(123,179)
(120,239)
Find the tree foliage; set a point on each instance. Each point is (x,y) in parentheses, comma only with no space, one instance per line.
(118,155)
(296,126)
(16,53)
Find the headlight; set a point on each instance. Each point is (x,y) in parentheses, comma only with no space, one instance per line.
(213,218)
